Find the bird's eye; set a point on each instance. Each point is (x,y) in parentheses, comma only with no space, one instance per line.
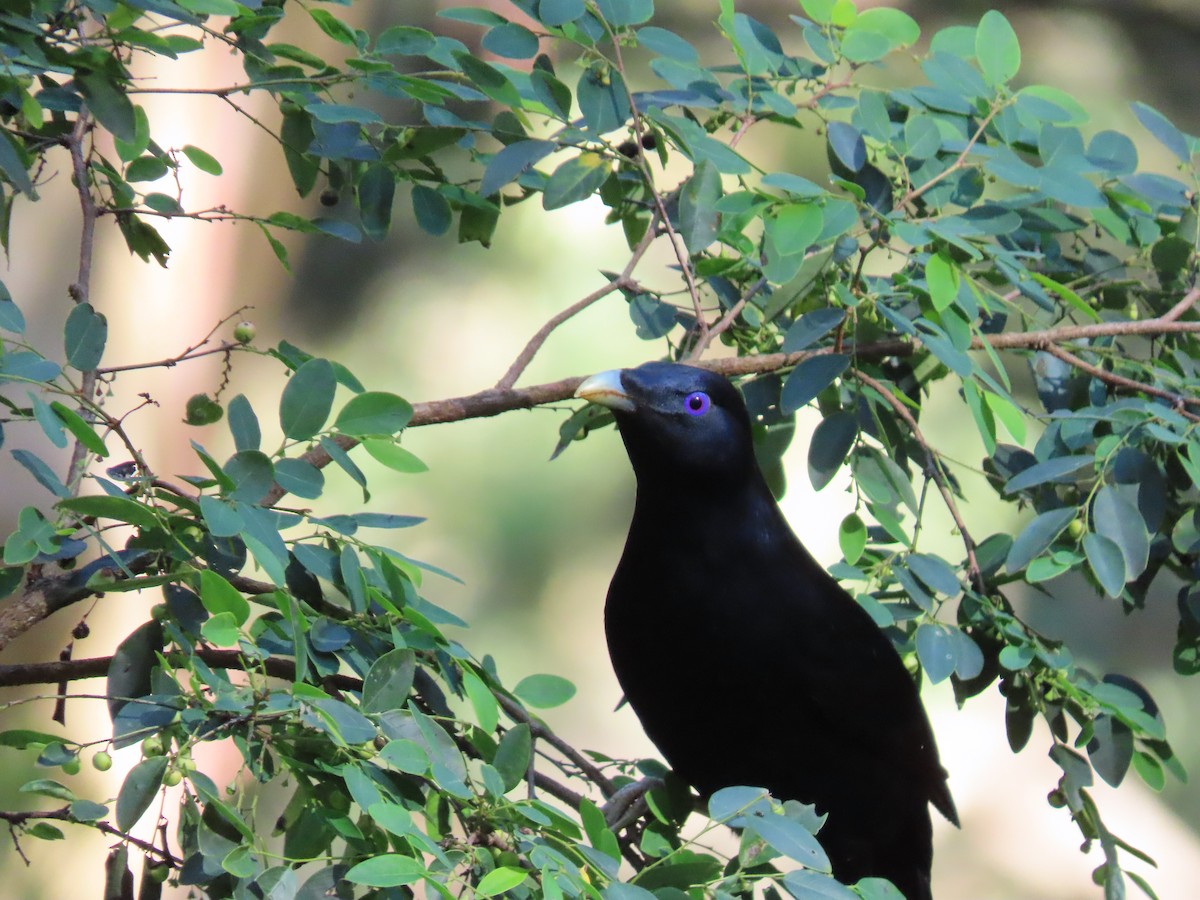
(697,403)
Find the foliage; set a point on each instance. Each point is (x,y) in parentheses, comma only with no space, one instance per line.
(967,229)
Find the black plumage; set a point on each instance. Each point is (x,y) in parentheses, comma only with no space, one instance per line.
(743,658)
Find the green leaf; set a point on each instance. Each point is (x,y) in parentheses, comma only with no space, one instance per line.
(83,432)
(1107,562)
(389,681)
(387,870)
(499,880)
(513,755)
(307,399)
(48,788)
(109,103)
(602,99)
(511,162)
(809,378)
(138,790)
(376,190)
(997,48)
(576,179)
(544,691)
(1058,469)
(243,424)
(1036,537)
(300,478)
(373,413)
(698,217)
(252,475)
(937,650)
(876,32)
(432,210)
(794,228)
(202,160)
(831,442)
(1164,130)
(219,596)
(12,164)
(392,455)
(791,839)
(942,277)
(935,572)
(511,41)
(146,168)
(626,12)
(334,27)
(42,473)
(811,327)
(852,538)
(85,335)
(1118,519)
(490,80)
(121,509)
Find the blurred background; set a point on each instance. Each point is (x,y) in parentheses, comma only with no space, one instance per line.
(535,541)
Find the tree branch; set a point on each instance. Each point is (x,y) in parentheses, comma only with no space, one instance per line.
(80,290)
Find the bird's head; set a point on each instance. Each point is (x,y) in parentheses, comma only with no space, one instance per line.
(677,421)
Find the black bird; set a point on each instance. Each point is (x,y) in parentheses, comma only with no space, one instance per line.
(745,661)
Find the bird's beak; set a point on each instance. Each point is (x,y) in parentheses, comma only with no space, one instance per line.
(605,389)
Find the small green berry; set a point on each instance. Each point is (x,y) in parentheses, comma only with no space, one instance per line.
(102,761)
(244,332)
(152,746)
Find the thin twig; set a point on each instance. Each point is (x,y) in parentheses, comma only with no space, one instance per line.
(935,471)
(914,193)
(726,321)
(540,730)
(1188,301)
(16,819)
(623,281)
(80,291)
(1178,401)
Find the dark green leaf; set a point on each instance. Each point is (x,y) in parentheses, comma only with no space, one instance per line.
(1036,537)
(131,665)
(809,378)
(602,99)
(1163,129)
(12,165)
(698,217)
(300,478)
(1056,469)
(109,103)
(511,162)
(559,12)
(1110,749)
(811,327)
(307,399)
(574,180)
(1118,519)
(389,681)
(830,444)
(513,755)
(146,168)
(44,475)
(1106,561)
(935,572)
(138,791)
(651,317)
(376,190)
(625,12)
(431,210)
(511,41)
(804,884)
(85,335)
(252,475)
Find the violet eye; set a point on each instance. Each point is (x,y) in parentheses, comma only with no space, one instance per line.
(697,403)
